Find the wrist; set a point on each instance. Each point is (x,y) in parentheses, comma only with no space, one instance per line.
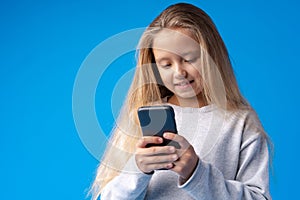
(182,180)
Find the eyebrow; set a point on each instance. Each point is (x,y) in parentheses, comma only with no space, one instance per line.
(161,59)
(182,55)
(190,53)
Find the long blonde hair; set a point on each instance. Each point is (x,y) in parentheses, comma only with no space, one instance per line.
(147,86)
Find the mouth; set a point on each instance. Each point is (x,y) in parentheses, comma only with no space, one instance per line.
(184,83)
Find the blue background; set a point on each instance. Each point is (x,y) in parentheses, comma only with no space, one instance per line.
(43,44)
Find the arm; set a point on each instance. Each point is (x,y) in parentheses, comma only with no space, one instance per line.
(133,181)
(251,182)
(130,184)
(126,186)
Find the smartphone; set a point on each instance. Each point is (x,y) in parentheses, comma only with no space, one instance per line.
(156,120)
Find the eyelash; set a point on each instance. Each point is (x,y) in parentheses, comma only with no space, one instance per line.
(186,61)
(190,60)
(166,65)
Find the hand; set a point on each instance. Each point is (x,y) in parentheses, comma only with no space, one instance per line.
(155,157)
(187,157)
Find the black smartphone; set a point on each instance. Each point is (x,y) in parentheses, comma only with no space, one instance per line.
(156,120)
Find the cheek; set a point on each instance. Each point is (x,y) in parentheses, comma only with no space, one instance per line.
(166,76)
(196,74)
(197,77)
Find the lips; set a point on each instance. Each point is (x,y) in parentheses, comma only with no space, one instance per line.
(184,83)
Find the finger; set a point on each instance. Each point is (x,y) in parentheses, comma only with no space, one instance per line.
(178,163)
(185,167)
(149,140)
(177,138)
(157,166)
(150,163)
(156,150)
(186,154)
(158,159)
(179,167)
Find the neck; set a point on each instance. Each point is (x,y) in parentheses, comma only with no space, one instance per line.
(194,102)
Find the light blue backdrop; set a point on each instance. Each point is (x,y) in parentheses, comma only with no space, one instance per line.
(43,44)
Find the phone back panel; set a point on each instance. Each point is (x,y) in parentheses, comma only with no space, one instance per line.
(155,120)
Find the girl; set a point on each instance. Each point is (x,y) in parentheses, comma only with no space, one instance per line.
(223,154)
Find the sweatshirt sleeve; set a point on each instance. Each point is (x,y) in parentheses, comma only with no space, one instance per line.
(251,182)
(131,183)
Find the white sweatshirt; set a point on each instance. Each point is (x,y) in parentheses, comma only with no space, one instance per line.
(233,161)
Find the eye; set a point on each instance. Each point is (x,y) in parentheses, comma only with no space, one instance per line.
(165,65)
(190,60)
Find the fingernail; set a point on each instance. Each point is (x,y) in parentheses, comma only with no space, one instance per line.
(160,140)
(172,149)
(175,157)
(169,166)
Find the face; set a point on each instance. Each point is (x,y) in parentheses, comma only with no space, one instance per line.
(177,57)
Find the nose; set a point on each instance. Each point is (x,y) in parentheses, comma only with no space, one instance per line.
(180,72)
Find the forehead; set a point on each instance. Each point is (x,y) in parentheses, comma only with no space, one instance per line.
(177,41)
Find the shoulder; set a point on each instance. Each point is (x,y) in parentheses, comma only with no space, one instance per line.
(247,117)
(251,126)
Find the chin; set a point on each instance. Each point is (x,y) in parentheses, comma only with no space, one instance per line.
(186,96)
